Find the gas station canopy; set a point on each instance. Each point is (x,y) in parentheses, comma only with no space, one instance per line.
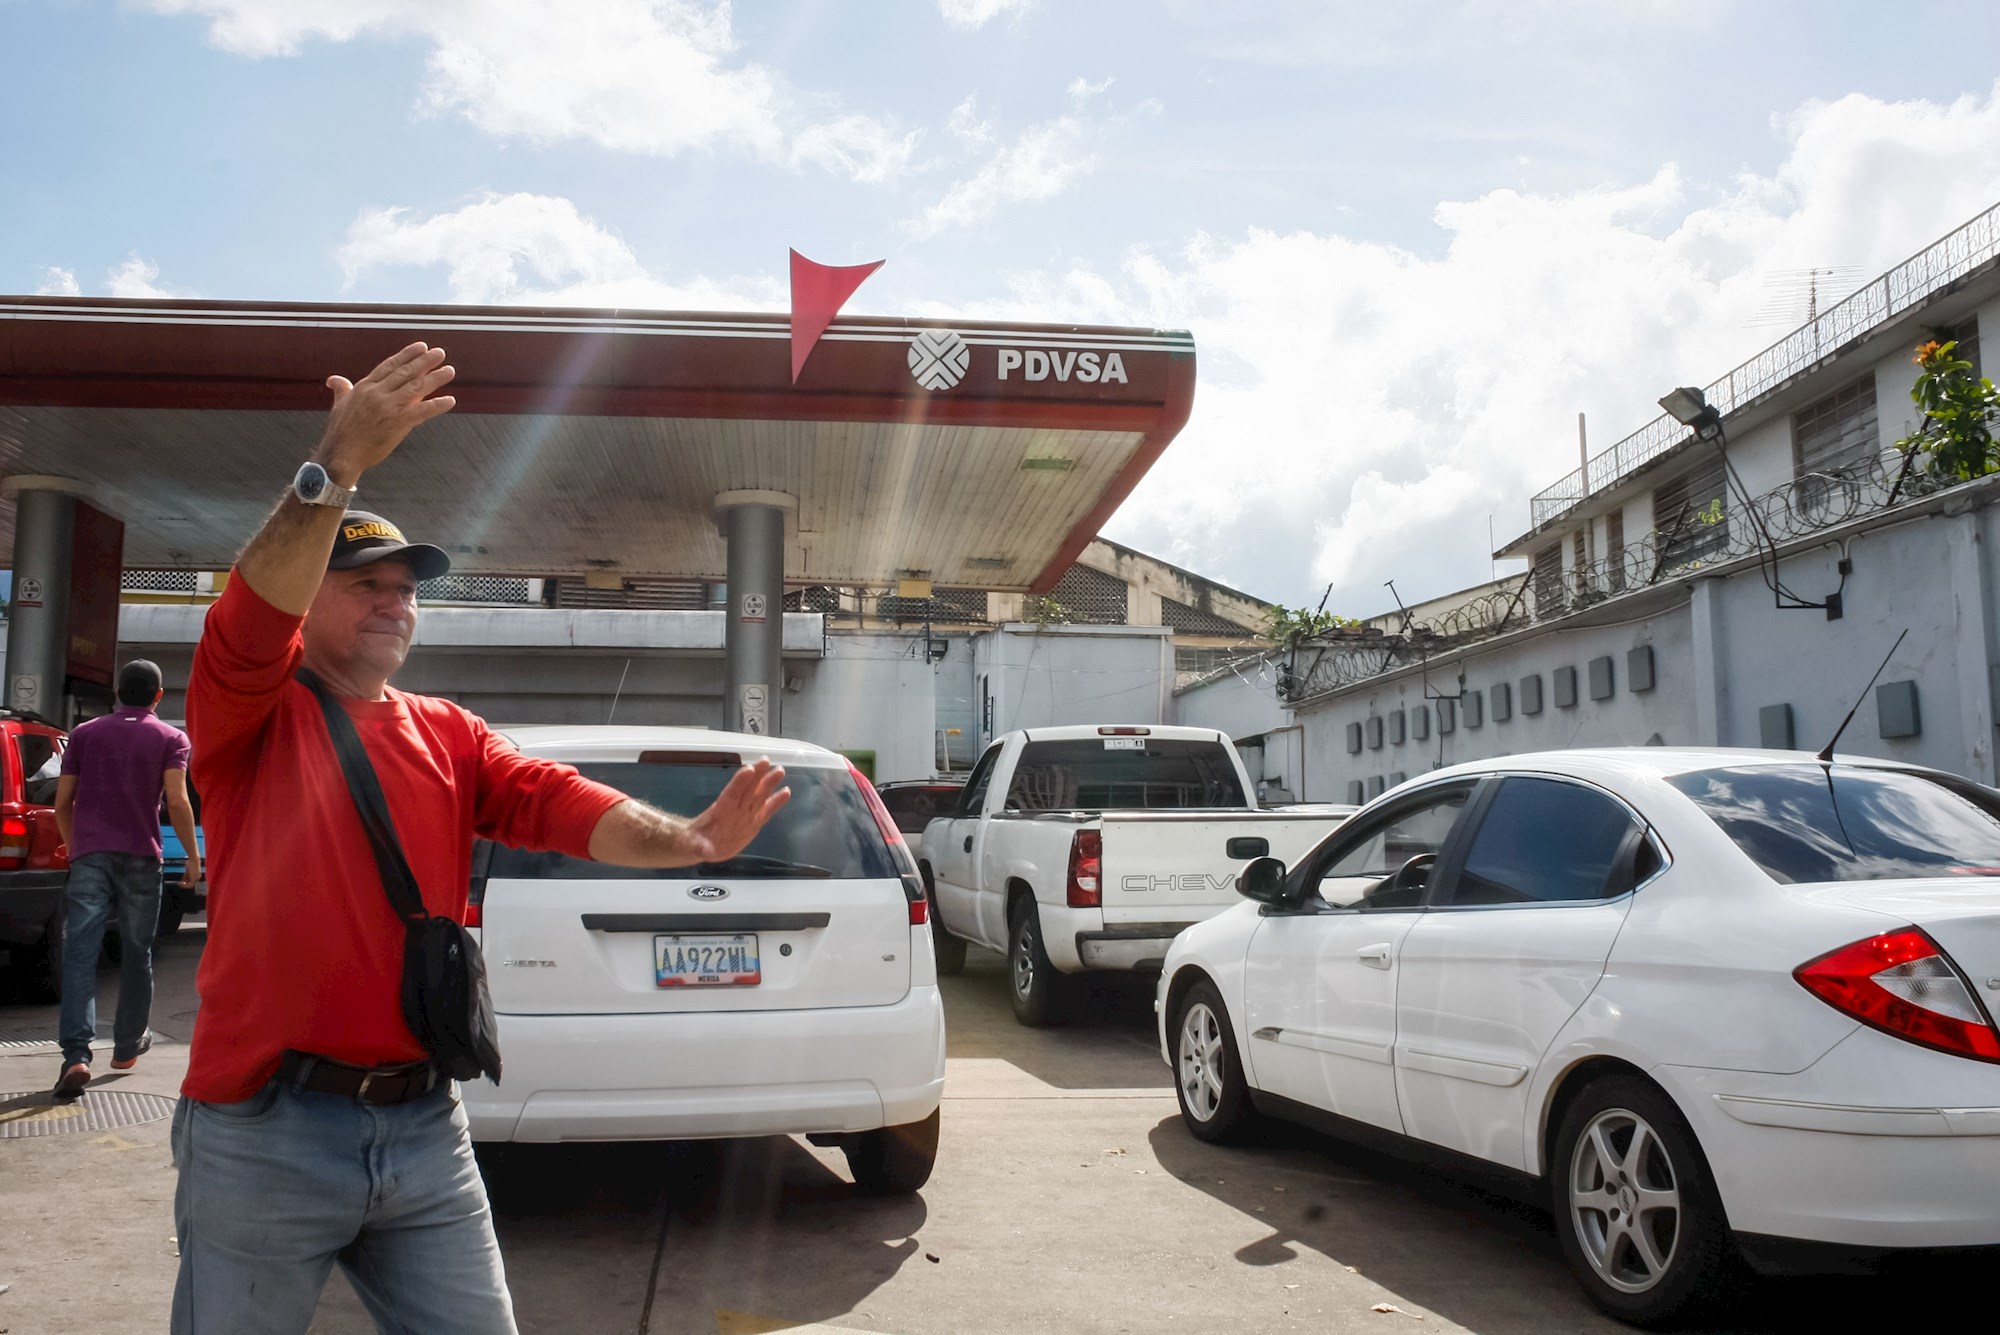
(972,453)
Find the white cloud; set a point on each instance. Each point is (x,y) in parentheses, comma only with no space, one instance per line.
(1039,164)
(971,14)
(658,77)
(1081,90)
(1363,409)
(58,283)
(536,249)
(136,277)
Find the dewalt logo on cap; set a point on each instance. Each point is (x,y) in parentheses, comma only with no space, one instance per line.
(374,528)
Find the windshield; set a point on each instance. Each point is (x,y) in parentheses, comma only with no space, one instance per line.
(1809,822)
(1123,773)
(825,830)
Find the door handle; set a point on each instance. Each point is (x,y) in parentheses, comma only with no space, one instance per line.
(968,843)
(1375,957)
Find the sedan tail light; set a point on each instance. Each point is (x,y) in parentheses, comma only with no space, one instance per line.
(14,840)
(1086,867)
(1904,984)
(899,848)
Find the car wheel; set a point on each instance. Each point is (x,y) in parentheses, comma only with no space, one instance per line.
(895,1160)
(1033,985)
(949,949)
(1640,1219)
(1208,1074)
(171,913)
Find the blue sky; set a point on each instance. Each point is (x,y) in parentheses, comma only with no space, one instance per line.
(1412,240)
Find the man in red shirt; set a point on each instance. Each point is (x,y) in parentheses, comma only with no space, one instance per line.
(313,1127)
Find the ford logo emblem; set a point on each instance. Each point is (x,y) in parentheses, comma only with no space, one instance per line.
(708,892)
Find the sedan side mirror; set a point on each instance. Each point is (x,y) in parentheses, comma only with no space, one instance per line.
(1264,881)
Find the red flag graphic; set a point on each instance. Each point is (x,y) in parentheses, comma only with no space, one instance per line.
(818,293)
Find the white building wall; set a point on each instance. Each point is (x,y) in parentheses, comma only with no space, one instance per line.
(1243,704)
(870,693)
(1040,676)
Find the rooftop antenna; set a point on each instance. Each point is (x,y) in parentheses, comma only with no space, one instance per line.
(1826,754)
(620,691)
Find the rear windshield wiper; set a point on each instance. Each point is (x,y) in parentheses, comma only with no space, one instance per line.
(750,864)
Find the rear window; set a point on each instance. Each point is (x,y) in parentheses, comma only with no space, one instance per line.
(914,808)
(826,825)
(41,766)
(1804,823)
(1123,773)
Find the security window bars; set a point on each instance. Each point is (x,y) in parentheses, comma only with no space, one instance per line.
(1838,431)
(1547,577)
(1691,513)
(1614,548)
(508,590)
(1966,335)
(160,581)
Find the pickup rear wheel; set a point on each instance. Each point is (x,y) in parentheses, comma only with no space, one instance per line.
(1034,987)
(1208,1073)
(42,979)
(893,1160)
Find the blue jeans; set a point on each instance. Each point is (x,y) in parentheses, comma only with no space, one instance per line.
(98,883)
(275,1189)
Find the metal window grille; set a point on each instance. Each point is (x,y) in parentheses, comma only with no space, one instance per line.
(509,590)
(1836,431)
(1091,597)
(1614,547)
(1191,620)
(160,581)
(1684,513)
(954,605)
(1966,335)
(1547,578)
(636,592)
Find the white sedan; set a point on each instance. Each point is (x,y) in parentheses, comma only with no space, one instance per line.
(1716,1002)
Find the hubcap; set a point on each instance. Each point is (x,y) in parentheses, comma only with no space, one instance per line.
(1201,1061)
(1625,1201)
(1024,959)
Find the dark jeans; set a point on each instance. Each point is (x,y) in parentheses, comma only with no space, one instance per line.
(98,883)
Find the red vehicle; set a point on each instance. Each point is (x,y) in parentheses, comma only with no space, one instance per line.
(33,864)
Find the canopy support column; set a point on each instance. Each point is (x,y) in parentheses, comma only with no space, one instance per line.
(753,525)
(38,609)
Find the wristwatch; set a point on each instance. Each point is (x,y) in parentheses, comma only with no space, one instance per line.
(314,486)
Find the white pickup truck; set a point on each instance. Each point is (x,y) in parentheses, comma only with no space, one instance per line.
(1081,848)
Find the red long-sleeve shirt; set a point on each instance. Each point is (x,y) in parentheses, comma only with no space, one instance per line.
(303,950)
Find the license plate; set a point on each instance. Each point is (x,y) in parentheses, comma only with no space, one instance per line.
(707,961)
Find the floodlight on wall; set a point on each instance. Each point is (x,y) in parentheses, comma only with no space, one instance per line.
(1691,408)
(935,649)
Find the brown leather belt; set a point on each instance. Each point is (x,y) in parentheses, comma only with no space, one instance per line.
(377,1085)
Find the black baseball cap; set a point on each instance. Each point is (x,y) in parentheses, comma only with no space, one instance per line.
(366,538)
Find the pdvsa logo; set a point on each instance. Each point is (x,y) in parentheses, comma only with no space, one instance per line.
(1088,367)
(939,358)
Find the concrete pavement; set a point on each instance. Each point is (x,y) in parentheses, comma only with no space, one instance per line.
(1067,1198)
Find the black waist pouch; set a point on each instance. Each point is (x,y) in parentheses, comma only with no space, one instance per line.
(445,1001)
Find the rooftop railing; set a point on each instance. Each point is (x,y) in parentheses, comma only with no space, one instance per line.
(1911,282)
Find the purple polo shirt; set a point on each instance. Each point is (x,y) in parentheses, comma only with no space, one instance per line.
(120,763)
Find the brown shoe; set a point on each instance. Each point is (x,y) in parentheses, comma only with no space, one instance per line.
(69,1085)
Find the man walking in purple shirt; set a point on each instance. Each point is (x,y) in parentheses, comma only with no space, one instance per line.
(108,809)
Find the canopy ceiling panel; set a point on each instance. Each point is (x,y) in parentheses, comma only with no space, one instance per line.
(598,440)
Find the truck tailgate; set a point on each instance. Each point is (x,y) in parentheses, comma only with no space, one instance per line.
(1178,866)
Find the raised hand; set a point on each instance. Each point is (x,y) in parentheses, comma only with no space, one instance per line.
(370,419)
(752,796)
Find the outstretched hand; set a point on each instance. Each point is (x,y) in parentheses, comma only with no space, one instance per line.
(752,796)
(370,419)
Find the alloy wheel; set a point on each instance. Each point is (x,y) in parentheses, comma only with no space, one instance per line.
(1625,1200)
(1024,959)
(1201,1058)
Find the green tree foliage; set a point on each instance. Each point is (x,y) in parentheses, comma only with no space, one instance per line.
(1955,443)
(1292,626)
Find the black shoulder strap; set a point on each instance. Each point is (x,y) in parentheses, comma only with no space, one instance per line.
(366,790)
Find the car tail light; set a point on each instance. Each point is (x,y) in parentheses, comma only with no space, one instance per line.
(15,836)
(899,851)
(1124,732)
(1086,865)
(1904,984)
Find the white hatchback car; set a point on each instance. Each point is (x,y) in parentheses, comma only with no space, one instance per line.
(790,990)
(1713,1000)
